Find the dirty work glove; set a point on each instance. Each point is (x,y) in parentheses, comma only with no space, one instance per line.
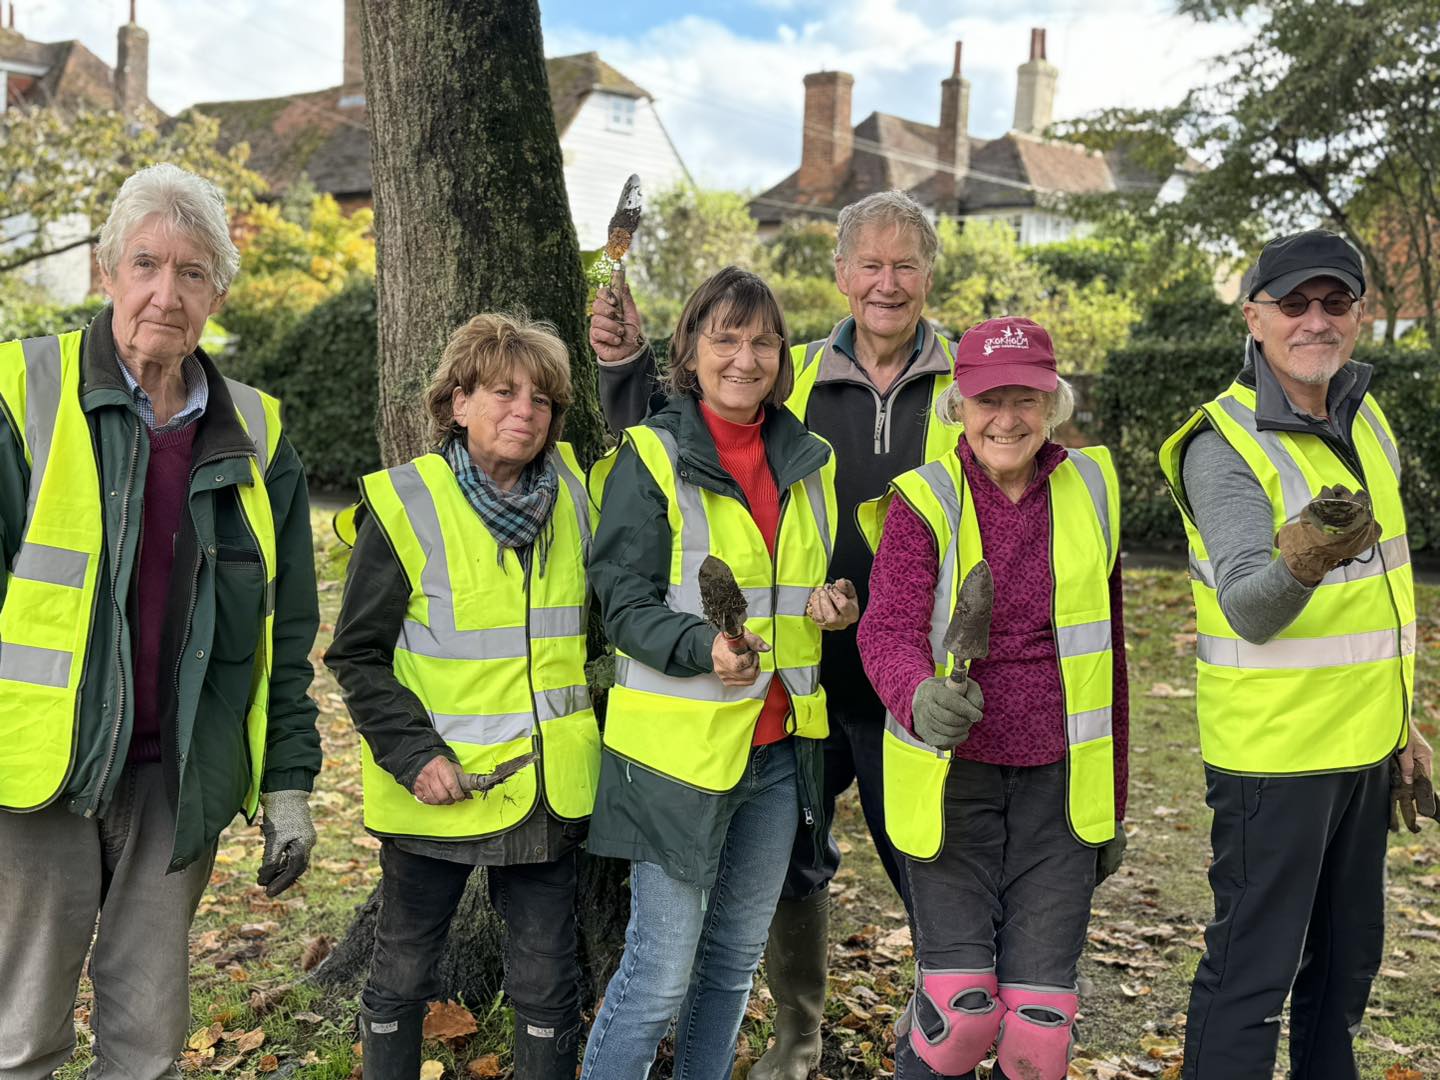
(1334,527)
(1111,854)
(942,714)
(289,839)
(1411,800)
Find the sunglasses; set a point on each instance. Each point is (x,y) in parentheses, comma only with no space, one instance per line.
(1293,305)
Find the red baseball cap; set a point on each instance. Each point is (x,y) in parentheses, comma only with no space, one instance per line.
(1004,352)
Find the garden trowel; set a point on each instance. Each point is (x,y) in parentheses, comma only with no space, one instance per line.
(722,602)
(968,635)
(623,224)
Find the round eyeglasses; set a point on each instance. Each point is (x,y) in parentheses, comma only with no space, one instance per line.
(726,344)
(1293,305)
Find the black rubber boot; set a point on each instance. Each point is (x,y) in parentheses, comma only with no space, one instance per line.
(546,1053)
(795,970)
(391,1043)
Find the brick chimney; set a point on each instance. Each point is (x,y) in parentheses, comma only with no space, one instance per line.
(954,143)
(352,90)
(1035,89)
(132,67)
(828,139)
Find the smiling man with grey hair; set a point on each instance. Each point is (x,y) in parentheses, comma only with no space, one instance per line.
(869,388)
(156,618)
(1289,487)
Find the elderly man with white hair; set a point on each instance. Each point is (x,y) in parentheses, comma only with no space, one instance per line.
(869,388)
(156,617)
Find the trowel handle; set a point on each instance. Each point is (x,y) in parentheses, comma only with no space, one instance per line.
(736,642)
(958,679)
(617,285)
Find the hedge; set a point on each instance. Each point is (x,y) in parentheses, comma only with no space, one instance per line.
(1148,389)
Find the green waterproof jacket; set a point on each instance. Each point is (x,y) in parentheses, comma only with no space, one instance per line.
(213,621)
(639,814)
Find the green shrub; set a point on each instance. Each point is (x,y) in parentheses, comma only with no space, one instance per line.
(1149,388)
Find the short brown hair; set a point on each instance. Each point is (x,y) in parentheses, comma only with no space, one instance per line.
(483,352)
(737,298)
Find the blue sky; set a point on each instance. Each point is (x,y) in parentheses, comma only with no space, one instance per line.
(726,74)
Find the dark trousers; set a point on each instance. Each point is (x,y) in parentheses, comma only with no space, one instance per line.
(852,754)
(418,899)
(1011,886)
(1299,883)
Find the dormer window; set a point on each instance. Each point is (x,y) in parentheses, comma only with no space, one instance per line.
(619,113)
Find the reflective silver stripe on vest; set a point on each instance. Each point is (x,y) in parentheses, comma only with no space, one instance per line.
(1393,554)
(578,496)
(57,566)
(1087,726)
(1294,489)
(486,729)
(560,702)
(42,408)
(1303,653)
(634,675)
(252,411)
(909,738)
(938,478)
(1094,478)
(815,491)
(1084,638)
(694,540)
(554,622)
(801,681)
(30,664)
(1392,453)
(501,643)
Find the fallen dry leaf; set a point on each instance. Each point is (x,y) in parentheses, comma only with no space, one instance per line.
(431,1070)
(316,949)
(1401,1072)
(484,1068)
(309,1018)
(268,1064)
(251,1040)
(262,1001)
(226,1065)
(206,1037)
(449,1021)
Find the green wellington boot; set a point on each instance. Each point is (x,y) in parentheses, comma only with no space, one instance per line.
(795,968)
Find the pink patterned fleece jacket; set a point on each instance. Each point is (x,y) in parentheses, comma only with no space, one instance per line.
(1024,722)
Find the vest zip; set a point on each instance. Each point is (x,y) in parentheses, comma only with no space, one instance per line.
(543,795)
(791,726)
(94,806)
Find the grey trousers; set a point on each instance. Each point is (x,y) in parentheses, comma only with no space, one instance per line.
(58,872)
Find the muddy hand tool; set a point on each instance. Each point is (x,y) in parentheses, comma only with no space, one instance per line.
(483,782)
(722,602)
(623,224)
(968,635)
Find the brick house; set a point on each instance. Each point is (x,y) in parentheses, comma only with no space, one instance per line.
(1018,177)
(608,128)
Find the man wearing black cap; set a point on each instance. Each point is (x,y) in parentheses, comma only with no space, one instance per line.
(1288,483)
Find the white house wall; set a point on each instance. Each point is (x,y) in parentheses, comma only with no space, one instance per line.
(598,160)
(64,278)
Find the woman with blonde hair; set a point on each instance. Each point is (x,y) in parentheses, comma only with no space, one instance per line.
(461,650)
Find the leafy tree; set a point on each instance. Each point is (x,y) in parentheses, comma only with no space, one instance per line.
(1331,115)
(57,168)
(804,249)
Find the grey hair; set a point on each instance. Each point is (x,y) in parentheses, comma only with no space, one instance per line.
(1060,406)
(886,208)
(183,201)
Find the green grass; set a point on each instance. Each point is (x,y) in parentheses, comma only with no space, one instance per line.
(1149,917)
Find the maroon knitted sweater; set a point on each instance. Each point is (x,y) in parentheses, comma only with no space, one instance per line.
(167,480)
(1024,721)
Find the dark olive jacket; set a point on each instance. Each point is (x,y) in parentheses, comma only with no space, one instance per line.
(640,814)
(214,611)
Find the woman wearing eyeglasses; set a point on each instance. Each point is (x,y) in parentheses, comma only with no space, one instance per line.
(711,757)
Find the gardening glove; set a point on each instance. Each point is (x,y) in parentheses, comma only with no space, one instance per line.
(1409,801)
(1334,527)
(943,714)
(1111,854)
(289,839)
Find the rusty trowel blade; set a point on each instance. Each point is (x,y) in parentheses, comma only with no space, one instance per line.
(625,220)
(968,635)
(720,597)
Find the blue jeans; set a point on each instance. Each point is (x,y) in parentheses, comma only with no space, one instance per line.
(694,953)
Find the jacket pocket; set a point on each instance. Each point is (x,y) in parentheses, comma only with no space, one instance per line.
(239,605)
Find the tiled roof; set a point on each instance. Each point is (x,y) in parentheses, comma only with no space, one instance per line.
(75,77)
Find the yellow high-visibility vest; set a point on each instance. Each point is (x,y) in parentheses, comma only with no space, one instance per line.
(494,651)
(1084,539)
(45,623)
(940,439)
(697,730)
(1331,691)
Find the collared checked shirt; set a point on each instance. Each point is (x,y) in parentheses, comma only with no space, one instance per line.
(197,396)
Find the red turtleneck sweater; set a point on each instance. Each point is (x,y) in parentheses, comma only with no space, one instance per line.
(742,455)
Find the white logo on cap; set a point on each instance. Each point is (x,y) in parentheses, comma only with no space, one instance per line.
(1010,339)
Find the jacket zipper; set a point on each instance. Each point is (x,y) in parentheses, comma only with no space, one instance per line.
(791,726)
(94,806)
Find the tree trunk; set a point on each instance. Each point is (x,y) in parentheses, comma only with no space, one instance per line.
(470,216)
(470,207)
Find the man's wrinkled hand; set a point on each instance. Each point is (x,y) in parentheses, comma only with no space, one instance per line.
(439,783)
(615,333)
(943,714)
(737,668)
(1412,792)
(289,839)
(1335,526)
(834,606)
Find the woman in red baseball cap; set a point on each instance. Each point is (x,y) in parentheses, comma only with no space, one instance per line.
(1004,787)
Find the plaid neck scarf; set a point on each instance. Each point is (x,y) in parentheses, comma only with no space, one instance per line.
(516,518)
